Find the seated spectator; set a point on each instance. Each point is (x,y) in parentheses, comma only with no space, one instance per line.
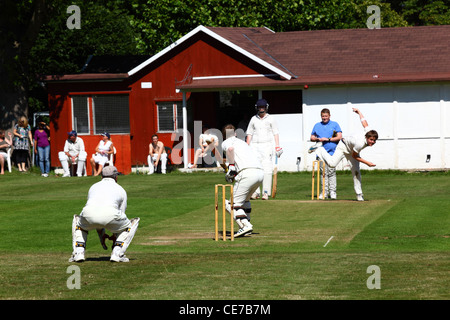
(156,153)
(207,142)
(5,144)
(74,153)
(42,147)
(103,150)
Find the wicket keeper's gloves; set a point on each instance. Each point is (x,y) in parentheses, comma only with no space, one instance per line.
(231,173)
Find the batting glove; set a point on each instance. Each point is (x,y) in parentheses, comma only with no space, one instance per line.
(231,173)
(278,151)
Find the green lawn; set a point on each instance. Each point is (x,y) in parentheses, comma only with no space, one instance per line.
(300,249)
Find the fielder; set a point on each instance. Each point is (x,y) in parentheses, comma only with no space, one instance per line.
(350,147)
(246,171)
(74,153)
(262,132)
(104,209)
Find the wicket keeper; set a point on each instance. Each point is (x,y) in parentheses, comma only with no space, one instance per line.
(104,209)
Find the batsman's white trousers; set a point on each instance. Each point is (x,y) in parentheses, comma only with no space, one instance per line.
(340,153)
(98,217)
(246,182)
(264,152)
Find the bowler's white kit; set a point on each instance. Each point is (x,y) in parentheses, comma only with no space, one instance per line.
(345,148)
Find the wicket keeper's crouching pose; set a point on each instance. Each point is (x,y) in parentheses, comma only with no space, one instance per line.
(104,209)
(350,147)
(246,171)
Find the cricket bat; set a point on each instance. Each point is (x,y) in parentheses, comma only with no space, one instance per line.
(275,175)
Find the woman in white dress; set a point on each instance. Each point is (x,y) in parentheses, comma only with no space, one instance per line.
(103,150)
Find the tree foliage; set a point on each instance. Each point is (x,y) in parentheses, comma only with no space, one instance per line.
(35,39)
(175,18)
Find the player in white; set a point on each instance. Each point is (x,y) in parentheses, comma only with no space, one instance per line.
(74,153)
(350,147)
(262,134)
(104,209)
(246,171)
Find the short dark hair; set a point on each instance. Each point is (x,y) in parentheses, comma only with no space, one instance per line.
(226,128)
(372,134)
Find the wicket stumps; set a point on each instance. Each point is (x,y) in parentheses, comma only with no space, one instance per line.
(224,223)
(318,163)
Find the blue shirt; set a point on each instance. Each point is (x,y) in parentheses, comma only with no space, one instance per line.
(326,130)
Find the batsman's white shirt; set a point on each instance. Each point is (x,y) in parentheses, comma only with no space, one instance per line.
(105,207)
(244,157)
(263,129)
(250,172)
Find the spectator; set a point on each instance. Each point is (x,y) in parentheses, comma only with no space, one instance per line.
(5,144)
(74,153)
(103,150)
(156,153)
(207,143)
(42,147)
(22,140)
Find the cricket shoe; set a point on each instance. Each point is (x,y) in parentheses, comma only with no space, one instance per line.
(314,147)
(77,255)
(117,257)
(243,231)
(360,197)
(255,196)
(265,196)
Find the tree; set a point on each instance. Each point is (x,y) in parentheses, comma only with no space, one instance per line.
(175,18)
(423,12)
(19,27)
(36,41)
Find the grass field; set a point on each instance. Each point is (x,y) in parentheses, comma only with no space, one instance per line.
(403,228)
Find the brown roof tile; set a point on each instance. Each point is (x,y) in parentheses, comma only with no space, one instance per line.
(409,54)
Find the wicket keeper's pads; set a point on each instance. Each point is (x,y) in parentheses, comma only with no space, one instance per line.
(79,236)
(125,237)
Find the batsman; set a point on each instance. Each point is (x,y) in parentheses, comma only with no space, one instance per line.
(246,171)
(104,209)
